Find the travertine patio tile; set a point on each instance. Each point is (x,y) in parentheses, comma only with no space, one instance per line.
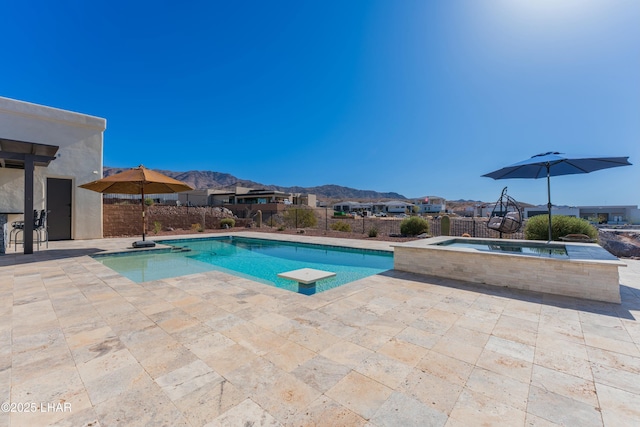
(346,353)
(418,337)
(474,408)
(143,403)
(247,413)
(206,403)
(72,418)
(337,328)
(357,317)
(614,360)
(193,333)
(368,338)
(405,352)
(567,333)
(254,376)
(511,348)
(445,367)
(230,358)
(165,358)
(516,329)
(511,367)
(403,410)
(209,344)
(289,356)
(457,349)
(39,346)
(535,421)
(256,339)
(481,321)
(564,384)
(270,320)
(552,342)
(384,369)
(187,301)
(114,382)
(63,385)
(561,409)
(618,407)
(555,359)
(360,394)
(325,412)
(626,347)
(499,387)
(313,318)
(321,373)
(439,394)
(285,397)
(109,362)
(614,377)
(73,329)
(314,339)
(224,322)
(184,380)
(524,309)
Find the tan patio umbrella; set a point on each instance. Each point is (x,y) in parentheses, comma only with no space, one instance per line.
(141,181)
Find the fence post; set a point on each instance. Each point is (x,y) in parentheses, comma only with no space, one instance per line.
(326,218)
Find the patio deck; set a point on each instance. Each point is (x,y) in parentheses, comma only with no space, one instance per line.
(87,346)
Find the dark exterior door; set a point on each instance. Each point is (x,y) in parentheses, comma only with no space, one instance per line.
(59,208)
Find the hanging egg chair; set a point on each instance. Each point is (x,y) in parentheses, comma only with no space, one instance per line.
(506,216)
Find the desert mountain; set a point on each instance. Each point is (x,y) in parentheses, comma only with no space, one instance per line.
(214,180)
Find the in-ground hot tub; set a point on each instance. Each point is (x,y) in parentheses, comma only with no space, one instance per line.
(583,270)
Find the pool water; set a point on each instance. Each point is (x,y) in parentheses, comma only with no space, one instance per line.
(532,249)
(255,259)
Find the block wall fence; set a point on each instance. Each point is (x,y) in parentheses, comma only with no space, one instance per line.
(125,219)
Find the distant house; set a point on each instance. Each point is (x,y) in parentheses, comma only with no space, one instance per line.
(397,206)
(431,205)
(624,214)
(244,201)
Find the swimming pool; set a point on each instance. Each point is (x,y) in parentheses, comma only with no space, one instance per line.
(256,259)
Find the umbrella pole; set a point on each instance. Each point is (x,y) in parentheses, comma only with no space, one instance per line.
(549,196)
(144,223)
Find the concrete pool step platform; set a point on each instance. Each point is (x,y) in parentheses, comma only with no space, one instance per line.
(307,278)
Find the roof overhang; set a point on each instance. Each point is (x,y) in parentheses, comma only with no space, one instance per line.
(13,154)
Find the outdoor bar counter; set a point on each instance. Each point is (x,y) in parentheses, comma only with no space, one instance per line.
(6,218)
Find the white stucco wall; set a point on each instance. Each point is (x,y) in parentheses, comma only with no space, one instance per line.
(80,138)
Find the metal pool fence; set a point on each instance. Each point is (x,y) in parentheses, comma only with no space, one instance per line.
(299,218)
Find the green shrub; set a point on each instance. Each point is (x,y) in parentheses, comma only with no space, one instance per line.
(229,222)
(341,226)
(373,232)
(299,218)
(157,226)
(148,201)
(414,226)
(537,227)
(197,227)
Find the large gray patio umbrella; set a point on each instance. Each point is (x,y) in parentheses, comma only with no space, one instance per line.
(553,164)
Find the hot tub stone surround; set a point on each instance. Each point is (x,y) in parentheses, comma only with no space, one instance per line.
(590,272)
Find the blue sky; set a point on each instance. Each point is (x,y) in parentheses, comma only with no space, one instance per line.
(417,97)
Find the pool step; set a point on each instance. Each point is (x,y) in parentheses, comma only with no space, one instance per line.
(180,249)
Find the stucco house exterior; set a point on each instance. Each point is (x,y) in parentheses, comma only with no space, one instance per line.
(73,213)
